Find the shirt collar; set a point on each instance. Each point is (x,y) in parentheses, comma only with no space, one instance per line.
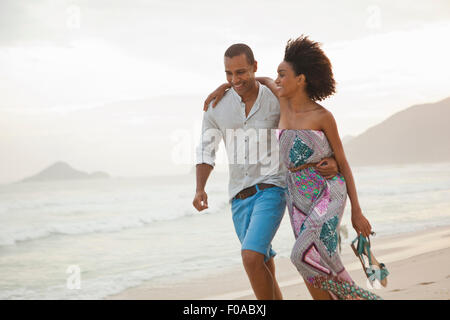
(256,105)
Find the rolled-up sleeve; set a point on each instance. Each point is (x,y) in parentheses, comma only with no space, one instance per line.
(209,140)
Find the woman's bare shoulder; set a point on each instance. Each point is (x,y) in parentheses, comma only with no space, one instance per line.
(324,116)
(321,111)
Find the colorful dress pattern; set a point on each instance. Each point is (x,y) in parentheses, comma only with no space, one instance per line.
(316,206)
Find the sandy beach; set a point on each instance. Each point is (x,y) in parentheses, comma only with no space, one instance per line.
(418,262)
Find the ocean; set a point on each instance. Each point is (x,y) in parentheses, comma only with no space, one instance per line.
(87,239)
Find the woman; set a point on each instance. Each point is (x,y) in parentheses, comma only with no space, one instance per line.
(316,204)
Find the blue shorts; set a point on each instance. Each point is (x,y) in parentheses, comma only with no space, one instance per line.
(257,218)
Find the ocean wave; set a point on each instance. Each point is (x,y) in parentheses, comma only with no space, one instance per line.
(401,190)
(11,235)
(89,288)
(101,287)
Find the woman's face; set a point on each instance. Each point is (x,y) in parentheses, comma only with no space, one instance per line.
(287,82)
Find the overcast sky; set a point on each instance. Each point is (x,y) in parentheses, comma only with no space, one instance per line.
(71,57)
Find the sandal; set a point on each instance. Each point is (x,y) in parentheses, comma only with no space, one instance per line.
(362,249)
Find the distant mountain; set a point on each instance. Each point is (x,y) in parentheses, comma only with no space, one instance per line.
(347,139)
(62,171)
(419,134)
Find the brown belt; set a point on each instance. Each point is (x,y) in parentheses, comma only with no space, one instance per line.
(250,191)
(304,166)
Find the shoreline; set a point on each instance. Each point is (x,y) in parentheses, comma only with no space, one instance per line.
(418,263)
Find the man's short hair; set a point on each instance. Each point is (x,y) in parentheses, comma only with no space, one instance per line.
(240,48)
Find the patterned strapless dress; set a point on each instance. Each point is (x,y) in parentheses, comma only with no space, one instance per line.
(316,206)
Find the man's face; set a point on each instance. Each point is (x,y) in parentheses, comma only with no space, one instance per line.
(240,74)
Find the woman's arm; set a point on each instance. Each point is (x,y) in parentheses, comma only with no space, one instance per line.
(360,223)
(216,95)
(269,83)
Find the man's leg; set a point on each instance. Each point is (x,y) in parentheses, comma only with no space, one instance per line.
(261,278)
(271,266)
(257,272)
(256,220)
(266,214)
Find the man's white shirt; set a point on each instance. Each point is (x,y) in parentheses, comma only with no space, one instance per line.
(251,142)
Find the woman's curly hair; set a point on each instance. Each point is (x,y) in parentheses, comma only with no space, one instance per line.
(306,57)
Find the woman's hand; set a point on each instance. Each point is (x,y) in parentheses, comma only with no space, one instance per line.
(216,95)
(360,223)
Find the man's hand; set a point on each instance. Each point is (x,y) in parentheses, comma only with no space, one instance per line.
(216,95)
(328,168)
(200,200)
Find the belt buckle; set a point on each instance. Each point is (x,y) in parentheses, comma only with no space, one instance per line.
(244,193)
(238,196)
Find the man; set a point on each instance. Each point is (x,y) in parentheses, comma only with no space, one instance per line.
(248,112)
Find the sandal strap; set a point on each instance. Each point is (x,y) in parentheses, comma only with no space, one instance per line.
(363,248)
(383,273)
(363,244)
(373,274)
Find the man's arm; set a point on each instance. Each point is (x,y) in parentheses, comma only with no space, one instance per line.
(206,154)
(328,167)
(201,198)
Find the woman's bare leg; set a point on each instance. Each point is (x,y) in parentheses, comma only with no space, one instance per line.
(318,294)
